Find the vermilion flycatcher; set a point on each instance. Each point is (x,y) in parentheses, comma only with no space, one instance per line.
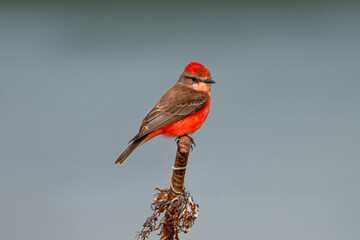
(181,111)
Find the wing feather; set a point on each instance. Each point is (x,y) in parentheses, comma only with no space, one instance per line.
(176,104)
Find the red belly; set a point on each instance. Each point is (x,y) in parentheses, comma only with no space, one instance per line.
(188,125)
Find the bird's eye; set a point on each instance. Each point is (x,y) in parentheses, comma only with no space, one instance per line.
(194,79)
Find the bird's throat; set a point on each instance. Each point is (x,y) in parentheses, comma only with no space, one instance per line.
(201,86)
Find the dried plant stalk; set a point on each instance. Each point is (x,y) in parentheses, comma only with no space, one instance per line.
(178,176)
(180,210)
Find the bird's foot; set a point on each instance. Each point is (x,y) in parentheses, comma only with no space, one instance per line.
(191,139)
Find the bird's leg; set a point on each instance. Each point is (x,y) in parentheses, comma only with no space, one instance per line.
(191,139)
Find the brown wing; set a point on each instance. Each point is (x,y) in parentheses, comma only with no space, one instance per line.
(176,104)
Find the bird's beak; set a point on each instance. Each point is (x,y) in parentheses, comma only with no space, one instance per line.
(209,81)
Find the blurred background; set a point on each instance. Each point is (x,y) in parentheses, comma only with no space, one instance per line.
(278,157)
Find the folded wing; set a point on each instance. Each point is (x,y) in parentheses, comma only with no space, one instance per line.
(176,104)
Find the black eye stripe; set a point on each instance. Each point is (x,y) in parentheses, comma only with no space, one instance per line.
(194,79)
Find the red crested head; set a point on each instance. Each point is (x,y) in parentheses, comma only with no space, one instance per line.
(198,69)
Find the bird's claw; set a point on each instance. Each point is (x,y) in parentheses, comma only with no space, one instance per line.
(191,139)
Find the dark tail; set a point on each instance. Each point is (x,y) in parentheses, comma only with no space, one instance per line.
(129,150)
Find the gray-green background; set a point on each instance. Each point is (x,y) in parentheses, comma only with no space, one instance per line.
(277,159)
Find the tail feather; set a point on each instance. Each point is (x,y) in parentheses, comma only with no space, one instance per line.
(129,150)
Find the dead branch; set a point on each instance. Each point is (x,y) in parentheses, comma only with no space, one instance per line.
(179,169)
(180,210)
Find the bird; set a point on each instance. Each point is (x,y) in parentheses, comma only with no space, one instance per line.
(182,110)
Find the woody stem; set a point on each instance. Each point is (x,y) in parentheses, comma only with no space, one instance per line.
(177,187)
(179,169)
